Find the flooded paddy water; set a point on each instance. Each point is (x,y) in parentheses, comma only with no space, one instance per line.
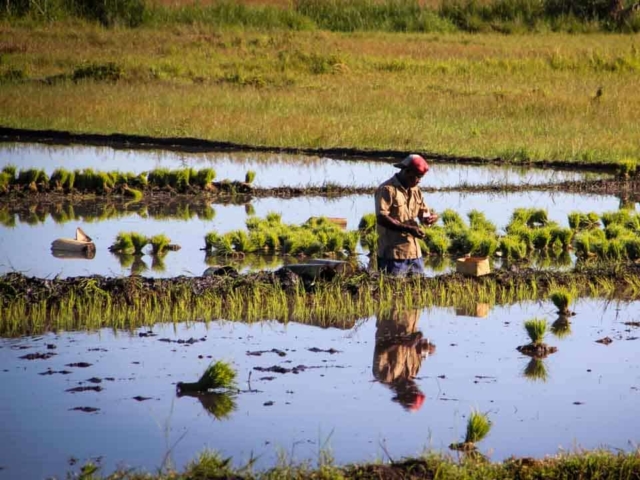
(346,393)
(110,395)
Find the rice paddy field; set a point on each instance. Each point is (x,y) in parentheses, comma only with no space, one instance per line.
(227,318)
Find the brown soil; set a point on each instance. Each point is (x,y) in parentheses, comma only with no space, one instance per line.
(538,351)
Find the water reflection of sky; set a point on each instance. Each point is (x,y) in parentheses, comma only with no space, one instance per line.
(26,248)
(271,170)
(339,405)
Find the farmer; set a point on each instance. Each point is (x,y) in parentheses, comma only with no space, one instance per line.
(398,354)
(399,203)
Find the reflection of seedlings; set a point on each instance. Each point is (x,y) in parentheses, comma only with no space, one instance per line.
(478,427)
(250,176)
(133,193)
(139,242)
(562,298)
(536,370)
(219,375)
(561,328)
(219,404)
(157,262)
(249,209)
(138,266)
(125,259)
(536,329)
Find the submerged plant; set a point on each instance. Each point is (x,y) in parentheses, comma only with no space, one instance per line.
(562,298)
(218,376)
(536,329)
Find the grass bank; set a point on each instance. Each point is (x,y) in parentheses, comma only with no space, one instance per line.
(586,465)
(518,98)
(30,306)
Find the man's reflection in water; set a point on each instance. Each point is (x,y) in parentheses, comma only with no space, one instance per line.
(398,354)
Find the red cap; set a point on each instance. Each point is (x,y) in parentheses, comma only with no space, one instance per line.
(417,402)
(415,162)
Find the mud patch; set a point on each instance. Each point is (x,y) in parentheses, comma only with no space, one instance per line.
(79,364)
(538,351)
(258,353)
(94,380)
(632,324)
(93,388)
(320,350)
(85,409)
(605,341)
(54,372)
(38,356)
(140,398)
(180,341)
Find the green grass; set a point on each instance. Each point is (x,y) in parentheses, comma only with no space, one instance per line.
(523,98)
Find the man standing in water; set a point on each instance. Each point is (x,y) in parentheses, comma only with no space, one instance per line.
(398,203)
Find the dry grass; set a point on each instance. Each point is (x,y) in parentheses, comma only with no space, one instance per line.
(519,97)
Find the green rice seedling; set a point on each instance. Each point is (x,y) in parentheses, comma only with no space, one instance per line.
(224,244)
(538,218)
(562,298)
(536,370)
(633,224)
(138,267)
(159,243)
(179,179)
(159,177)
(249,209)
(561,328)
(139,242)
(125,259)
(10,170)
(524,233)
(615,230)
(452,220)
(512,247)
(423,247)
(627,167)
(593,220)
(5,181)
(350,242)
(461,239)
(536,329)
(314,248)
(478,427)
(541,238)
(204,177)
(335,242)
(370,242)
(615,249)
(520,216)
(436,240)
(157,262)
(619,217)
(367,223)
(104,182)
(478,221)
(274,219)
(250,176)
(484,245)
(59,178)
(32,176)
(632,247)
(575,220)
(272,242)
(123,243)
(218,376)
(133,193)
(7,219)
(210,240)
(582,244)
(242,242)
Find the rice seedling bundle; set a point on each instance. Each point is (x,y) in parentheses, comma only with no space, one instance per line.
(367,223)
(536,329)
(536,370)
(250,176)
(478,427)
(437,241)
(139,242)
(562,298)
(478,221)
(159,243)
(619,217)
(123,243)
(512,247)
(452,220)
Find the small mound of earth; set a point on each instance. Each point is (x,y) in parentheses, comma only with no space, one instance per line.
(85,409)
(541,350)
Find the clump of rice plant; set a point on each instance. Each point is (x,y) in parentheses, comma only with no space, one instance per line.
(219,404)
(370,242)
(139,242)
(250,176)
(562,298)
(452,220)
(563,236)
(5,181)
(478,221)
(218,376)
(123,243)
(536,329)
(61,179)
(10,170)
(512,248)
(541,238)
(133,193)
(159,243)
(437,241)
(478,427)
(367,223)
(619,217)
(204,177)
(536,370)
(32,177)
(627,167)
(581,221)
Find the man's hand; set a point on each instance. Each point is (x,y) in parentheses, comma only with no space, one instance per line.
(431,219)
(415,230)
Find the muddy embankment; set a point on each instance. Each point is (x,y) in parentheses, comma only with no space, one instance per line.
(187,144)
(31,305)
